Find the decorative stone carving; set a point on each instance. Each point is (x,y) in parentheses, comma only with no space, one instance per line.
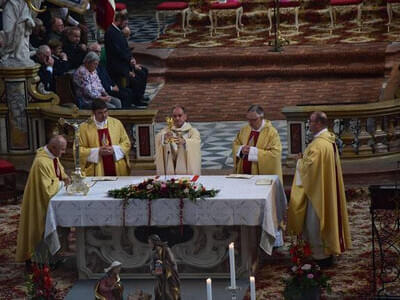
(205,253)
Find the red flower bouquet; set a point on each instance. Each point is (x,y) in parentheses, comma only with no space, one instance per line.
(40,284)
(306,278)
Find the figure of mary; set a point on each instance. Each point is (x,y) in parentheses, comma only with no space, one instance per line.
(109,287)
(164,267)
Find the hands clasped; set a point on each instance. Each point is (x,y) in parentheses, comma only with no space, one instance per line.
(106,150)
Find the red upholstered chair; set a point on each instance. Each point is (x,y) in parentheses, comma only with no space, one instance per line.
(171,8)
(223,6)
(8,174)
(334,4)
(121,7)
(285,6)
(389,8)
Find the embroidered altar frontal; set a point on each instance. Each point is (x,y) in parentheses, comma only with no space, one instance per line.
(243,212)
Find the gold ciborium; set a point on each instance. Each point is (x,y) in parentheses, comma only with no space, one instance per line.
(170,124)
(78,185)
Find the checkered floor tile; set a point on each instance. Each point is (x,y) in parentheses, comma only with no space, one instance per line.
(216,141)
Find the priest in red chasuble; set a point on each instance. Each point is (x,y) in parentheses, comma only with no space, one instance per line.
(46,178)
(103,144)
(178,147)
(317,206)
(257,147)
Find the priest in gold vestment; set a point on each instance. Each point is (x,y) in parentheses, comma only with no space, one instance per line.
(45,179)
(317,206)
(103,144)
(257,147)
(178,148)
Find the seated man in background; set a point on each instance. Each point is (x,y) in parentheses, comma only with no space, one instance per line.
(124,94)
(178,148)
(257,147)
(60,57)
(38,36)
(56,29)
(103,144)
(49,68)
(46,178)
(88,84)
(72,47)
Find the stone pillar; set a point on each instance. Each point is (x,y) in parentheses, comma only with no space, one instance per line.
(21,127)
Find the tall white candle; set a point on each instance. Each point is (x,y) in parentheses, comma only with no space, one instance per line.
(252,288)
(209,289)
(232,265)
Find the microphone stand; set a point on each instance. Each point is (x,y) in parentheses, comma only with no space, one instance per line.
(276,44)
(166,165)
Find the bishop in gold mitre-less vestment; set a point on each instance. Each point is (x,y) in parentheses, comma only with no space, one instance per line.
(176,157)
(262,140)
(103,132)
(45,179)
(317,206)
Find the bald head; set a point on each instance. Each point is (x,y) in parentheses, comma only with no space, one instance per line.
(318,121)
(57,145)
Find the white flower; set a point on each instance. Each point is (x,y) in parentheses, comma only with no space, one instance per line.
(294,269)
(186,191)
(306,267)
(149,186)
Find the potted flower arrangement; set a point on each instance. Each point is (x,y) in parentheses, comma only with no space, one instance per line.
(40,284)
(306,279)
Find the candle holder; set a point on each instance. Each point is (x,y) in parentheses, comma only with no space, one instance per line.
(234,291)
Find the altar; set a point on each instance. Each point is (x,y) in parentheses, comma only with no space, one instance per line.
(247,212)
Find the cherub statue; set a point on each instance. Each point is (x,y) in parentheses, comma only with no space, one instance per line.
(164,267)
(109,287)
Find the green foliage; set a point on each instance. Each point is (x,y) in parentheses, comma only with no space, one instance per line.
(172,188)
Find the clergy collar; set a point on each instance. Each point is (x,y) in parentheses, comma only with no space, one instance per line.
(261,127)
(100,125)
(320,132)
(48,152)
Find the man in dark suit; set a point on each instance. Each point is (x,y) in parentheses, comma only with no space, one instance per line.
(72,47)
(121,66)
(49,68)
(125,94)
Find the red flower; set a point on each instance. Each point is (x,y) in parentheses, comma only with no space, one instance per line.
(295,259)
(46,270)
(307,250)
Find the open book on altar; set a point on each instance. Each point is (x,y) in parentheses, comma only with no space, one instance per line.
(264,181)
(240,176)
(105,178)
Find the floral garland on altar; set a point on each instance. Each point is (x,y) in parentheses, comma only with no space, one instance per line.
(152,189)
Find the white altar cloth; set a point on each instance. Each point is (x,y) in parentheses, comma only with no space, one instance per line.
(239,202)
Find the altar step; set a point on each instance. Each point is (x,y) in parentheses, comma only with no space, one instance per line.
(295,61)
(192,289)
(277,72)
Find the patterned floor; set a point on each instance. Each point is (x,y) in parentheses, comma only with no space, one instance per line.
(216,141)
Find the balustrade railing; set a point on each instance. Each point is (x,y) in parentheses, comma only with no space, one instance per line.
(362,130)
(139,125)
